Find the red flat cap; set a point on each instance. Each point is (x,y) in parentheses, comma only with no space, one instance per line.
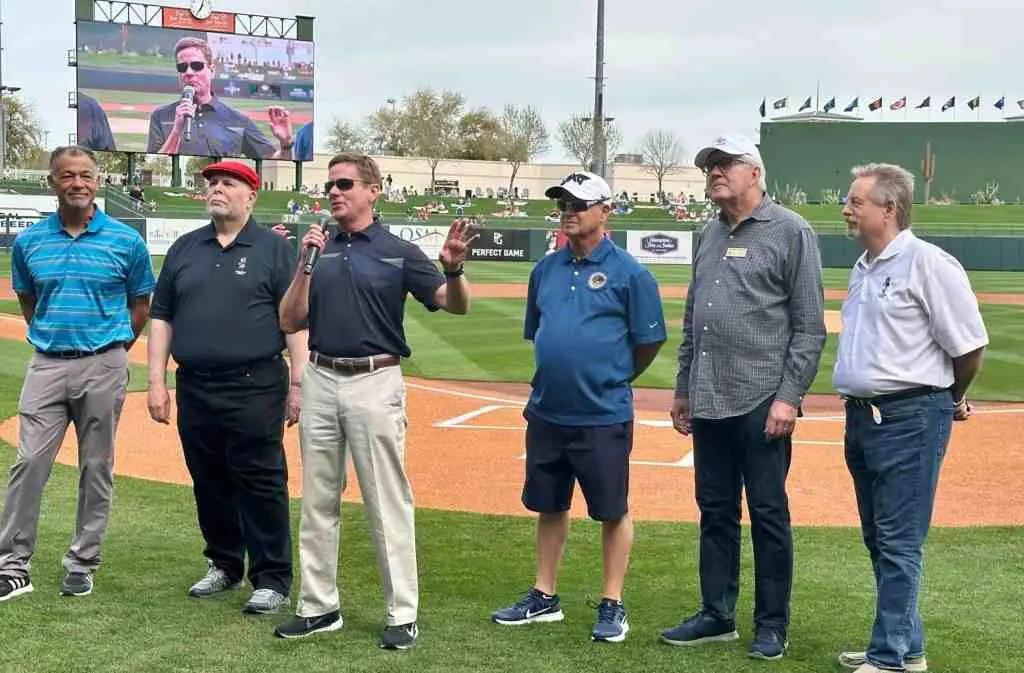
(236,169)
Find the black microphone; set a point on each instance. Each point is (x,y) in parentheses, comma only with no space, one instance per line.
(188,93)
(313,252)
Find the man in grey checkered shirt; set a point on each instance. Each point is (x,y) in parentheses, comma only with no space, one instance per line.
(752,336)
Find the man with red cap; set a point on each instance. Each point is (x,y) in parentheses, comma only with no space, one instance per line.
(215,310)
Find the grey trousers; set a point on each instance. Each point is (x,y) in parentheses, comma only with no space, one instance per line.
(88,392)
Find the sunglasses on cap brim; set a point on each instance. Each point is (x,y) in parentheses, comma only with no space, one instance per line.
(575,205)
(197,66)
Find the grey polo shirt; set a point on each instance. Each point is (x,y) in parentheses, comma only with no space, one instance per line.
(754,325)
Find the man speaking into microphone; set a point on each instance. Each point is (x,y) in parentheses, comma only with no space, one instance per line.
(199,124)
(353,393)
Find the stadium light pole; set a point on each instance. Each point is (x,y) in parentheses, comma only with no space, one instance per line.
(598,141)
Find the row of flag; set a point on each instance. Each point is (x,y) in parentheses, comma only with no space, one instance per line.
(876,104)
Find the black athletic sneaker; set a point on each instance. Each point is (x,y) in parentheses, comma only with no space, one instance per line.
(14,586)
(400,637)
(76,584)
(301,627)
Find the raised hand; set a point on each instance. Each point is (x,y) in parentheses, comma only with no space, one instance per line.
(453,252)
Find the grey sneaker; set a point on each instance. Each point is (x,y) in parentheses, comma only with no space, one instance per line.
(264,602)
(215,581)
(76,584)
(400,637)
(858,659)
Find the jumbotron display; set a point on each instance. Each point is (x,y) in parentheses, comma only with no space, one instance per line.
(157,90)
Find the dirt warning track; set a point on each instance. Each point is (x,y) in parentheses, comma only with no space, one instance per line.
(465,452)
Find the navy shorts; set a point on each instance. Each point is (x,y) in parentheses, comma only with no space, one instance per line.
(596,456)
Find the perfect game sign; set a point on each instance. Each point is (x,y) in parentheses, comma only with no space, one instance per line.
(501,246)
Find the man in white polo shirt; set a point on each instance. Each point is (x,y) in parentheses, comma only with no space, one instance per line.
(912,342)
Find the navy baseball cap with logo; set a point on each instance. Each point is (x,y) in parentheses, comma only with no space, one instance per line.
(582,186)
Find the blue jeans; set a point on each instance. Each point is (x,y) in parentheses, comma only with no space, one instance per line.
(895,467)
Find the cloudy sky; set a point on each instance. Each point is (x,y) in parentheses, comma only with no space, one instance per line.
(696,67)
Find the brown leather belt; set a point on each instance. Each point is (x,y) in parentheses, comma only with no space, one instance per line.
(354,365)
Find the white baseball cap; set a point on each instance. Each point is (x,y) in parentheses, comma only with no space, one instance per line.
(582,185)
(733,144)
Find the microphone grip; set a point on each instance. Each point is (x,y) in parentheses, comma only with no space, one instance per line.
(312,255)
(188,128)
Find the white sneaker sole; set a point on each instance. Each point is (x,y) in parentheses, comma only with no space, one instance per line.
(76,594)
(544,618)
(27,589)
(613,639)
(854,660)
(721,638)
(333,626)
(194,593)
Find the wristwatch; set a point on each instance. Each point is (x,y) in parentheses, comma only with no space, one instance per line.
(454,274)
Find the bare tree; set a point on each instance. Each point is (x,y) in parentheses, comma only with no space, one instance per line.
(663,154)
(523,137)
(344,136)
(576,135)
(432,121)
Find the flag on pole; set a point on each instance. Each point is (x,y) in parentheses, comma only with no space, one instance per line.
(951,103)
(927,102)
(830,104)
(761,109)
(999,104)
(875,104)
(974,102)
(1020,103)
(807,104)
(899,105)
(780,104)
(855,103)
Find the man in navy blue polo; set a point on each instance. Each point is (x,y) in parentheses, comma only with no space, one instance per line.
(216,129)
(83,281)
(595,317)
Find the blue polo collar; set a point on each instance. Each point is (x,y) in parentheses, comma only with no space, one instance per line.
(94,226)
(596,256)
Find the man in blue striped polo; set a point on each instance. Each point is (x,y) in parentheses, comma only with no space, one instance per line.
(83,282)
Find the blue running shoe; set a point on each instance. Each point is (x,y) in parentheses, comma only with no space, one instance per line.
(611,626)
(534,607)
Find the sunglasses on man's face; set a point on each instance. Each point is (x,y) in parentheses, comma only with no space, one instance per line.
(575,205)
(197,66)
(343,184)
(724,162)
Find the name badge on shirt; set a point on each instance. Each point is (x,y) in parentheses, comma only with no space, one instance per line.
(736,252)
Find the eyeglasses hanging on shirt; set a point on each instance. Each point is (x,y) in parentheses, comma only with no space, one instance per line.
(885,288)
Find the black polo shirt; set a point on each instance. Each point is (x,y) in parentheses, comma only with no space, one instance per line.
(358,290)
(222,302)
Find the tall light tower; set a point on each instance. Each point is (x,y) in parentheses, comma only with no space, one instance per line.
(598,119)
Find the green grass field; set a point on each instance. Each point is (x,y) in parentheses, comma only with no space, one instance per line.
(965,219)
(139,618)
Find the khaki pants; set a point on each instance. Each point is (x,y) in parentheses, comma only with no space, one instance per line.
(363,414)
(88,392)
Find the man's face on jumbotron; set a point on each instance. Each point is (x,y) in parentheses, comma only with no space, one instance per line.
(202,79)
